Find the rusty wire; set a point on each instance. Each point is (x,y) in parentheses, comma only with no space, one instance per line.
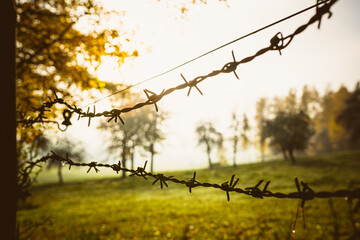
(277,43)
(304,191)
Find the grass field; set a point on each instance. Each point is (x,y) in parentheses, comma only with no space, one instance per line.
(133,208)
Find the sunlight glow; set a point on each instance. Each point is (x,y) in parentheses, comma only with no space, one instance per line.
(108,70)
(169,39)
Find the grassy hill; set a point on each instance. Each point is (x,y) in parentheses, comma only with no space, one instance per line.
(133,208)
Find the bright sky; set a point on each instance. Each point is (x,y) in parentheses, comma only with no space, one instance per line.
(321,58)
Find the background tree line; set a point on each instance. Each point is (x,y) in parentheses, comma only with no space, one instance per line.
(297,124)
(309,123)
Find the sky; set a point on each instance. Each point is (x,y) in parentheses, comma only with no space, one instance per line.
(324,58)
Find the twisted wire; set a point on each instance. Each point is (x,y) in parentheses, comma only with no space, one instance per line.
(277,43)
(304,191)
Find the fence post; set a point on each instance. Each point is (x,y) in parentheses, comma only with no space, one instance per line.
(8,173)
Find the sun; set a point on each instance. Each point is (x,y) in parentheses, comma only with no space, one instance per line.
(108,70)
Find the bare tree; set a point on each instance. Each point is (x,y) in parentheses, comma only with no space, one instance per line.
(239,134)
(126,137)
(210,137)
(64,147)
(153,133)
(141,130)
(260,117)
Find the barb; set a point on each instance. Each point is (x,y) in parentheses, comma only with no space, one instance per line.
(226,186)
(304,194)
(277,43)
(153,97)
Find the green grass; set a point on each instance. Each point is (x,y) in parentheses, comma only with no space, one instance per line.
(133,208)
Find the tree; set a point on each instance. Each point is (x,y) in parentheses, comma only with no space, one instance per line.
(288,132)
(322,141)
(290,102)
(61,43)
(153,133)
(349,117)
(309,101)
(126,137)
(56,51)
(65,147)
(260,117)
(235,127)
(244,132)
(42,144)
(338,133)
(331,134)
(142,129)
(239,130)
(210,137)
(59,46)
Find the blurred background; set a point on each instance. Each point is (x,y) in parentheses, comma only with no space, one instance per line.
(289,115)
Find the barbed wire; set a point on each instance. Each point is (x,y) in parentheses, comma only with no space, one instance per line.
(277,43)
(304,191)
(210,51)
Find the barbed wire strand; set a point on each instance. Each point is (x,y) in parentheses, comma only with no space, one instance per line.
(211,51)
(277,43)
(303,193)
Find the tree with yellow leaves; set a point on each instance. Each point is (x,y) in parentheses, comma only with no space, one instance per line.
(59,46)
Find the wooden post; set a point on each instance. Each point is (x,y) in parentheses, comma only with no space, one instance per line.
(8,173)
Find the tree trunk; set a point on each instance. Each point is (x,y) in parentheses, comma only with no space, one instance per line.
(234,160)
(234,152)
(61,181)
(123,160)
(8,127)
(152,152)
(208,151)
(132,158)
(291,154)
(285,155)
(262,150)
(283,150)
